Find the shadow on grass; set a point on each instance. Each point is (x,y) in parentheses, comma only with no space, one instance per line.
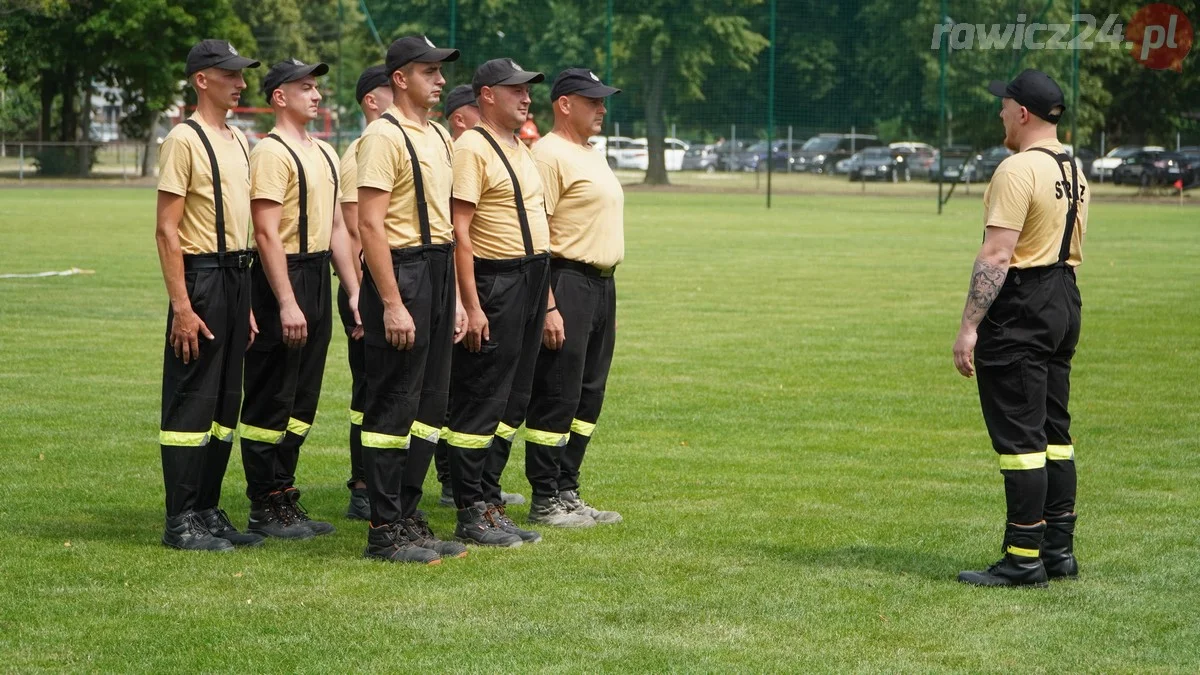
(901,562)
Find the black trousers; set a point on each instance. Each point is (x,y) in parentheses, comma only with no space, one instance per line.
(200,399)
(494,383)
(282,385)
(355,353)
(396,378)
(1023,367)
(569,383)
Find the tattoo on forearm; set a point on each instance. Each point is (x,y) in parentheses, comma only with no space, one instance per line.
(986,281)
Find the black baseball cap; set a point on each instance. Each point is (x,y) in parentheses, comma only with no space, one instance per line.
(457,98)
(502,71)
(216,53)
(375,76)
(580,81)
(416,48)
(290,71)
(1035,90)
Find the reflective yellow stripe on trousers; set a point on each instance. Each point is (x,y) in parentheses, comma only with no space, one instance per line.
(545,437)
(425,432)
(582,428)
(371,439)
(1060,452)
(1033,460)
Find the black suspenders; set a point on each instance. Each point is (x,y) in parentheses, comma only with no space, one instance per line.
(418,183)
(1072,185)
(526,235)
(303,186)
(218,198)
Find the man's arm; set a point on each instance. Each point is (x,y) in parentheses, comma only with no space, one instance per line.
(462,213)
(266,214)
(186,326)
(987,278)
(343,263)
(398,325)
(350,221)
(553,332)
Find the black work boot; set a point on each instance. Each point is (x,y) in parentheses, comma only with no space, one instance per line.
(186,531)
(420,534)
(273,518)
(500,519)
(1020,565)
(391,543)
(1058,549)
(360,505)
(217,522)
(475,528)
(292,502)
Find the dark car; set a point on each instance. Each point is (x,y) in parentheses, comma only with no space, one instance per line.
(820,154)
(700,157)
(782,157)
(1151,167)
(952,165)
(881,163)
(729,155)
(987,161)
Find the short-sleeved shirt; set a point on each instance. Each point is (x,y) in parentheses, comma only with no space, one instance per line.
(349,173)
(184,170)
(384,164)
(481,179)
(584,200)
(273,176)
(1027,194)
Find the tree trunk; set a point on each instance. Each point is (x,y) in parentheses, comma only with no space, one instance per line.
(49,90)
(150,145)
(84,156)
(656,80)
(68,124)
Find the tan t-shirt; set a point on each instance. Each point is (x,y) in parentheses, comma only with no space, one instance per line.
(481,179)
(184,170)
(584,200)
(273,176)
(349,174)
(384,164)
(1027,194)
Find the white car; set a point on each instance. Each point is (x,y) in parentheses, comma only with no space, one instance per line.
(1104,166)
(674,150)
(622,152)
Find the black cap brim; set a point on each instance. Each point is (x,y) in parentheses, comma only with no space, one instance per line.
(999,88)
(236,63)
(437,55)
(595,91)
(520,77)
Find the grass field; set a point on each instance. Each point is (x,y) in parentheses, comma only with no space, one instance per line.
(801,470)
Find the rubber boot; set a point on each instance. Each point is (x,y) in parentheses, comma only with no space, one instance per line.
(1058,550)
(1020,565)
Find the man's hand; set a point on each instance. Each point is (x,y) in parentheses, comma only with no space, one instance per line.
(357,332)
(295,326)
(399,328)
(253,331)
(460,322)
(477,330)
(553,334)
(186,329)
(964,349)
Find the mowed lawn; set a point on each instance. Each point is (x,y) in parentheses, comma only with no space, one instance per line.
(801,470)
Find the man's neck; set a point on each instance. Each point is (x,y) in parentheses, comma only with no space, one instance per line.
(1038,138)
(567,133)
(371,115)
(413,111)
(211,114)
(505,136)
(292,129)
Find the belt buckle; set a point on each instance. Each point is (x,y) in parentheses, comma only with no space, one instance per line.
(243,260)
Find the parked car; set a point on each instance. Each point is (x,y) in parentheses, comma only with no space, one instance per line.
(673,150)
(700,157)
(730,155)
(1150,167)
(1191,166)
(1104,167)
(986,162)
(952,165)
(846,166)
(881,163)
(782,158)
(1083,159)
(820,154)
(622,152)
